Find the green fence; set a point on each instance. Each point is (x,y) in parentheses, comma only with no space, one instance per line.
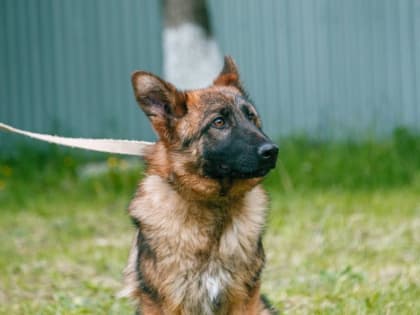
(327,68)
(65,65)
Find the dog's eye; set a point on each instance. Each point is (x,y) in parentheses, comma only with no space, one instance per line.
(250,116)
(219,122)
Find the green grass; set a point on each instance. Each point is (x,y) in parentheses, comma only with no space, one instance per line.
(343,234)
(339,252)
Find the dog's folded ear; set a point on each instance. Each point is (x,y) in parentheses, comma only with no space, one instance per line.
(229,74)
(159,99)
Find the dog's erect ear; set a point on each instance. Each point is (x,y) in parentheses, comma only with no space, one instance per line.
(160,101)
(229,74)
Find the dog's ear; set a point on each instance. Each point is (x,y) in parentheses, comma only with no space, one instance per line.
(229,74)
(159,100)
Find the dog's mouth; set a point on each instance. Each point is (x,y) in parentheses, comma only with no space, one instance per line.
(244,167)
(226,171)
(253,174)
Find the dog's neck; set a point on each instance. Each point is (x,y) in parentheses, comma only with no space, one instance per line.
(183,176)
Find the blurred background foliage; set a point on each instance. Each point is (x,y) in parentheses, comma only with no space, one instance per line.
(304,164)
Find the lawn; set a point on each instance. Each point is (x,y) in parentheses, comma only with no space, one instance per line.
(343,235)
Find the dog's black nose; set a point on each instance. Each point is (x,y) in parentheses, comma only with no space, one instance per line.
(268,151)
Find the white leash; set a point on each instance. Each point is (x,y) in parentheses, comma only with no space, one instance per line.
(127,147)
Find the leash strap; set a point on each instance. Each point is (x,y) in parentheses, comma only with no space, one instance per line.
(126,147)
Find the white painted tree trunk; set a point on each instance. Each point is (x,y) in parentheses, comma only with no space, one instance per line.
(192,58)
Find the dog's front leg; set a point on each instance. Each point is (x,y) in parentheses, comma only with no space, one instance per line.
(252,306)
(148,307)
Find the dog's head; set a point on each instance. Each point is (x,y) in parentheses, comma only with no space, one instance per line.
(214,132)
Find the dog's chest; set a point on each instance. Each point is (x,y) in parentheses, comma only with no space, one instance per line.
(213,286)
(204,274)
(208,295)
(202,280)
(197,264)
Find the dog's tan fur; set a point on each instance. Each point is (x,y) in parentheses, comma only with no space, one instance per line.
(197,248)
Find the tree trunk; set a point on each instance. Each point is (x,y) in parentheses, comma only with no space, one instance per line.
(191,55)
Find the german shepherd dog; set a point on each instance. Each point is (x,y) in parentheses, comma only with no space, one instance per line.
(200,212)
